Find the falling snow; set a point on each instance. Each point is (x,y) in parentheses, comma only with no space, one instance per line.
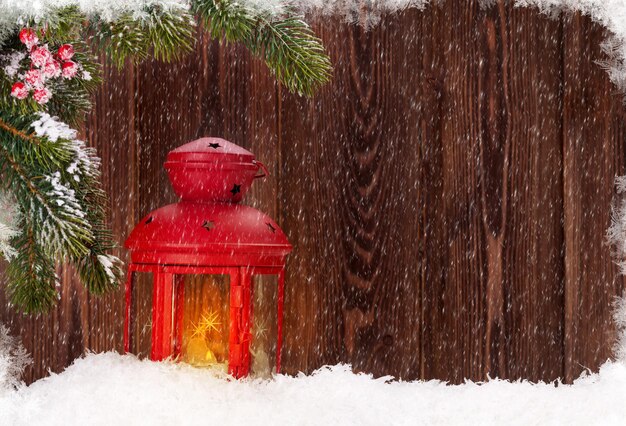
(118,389)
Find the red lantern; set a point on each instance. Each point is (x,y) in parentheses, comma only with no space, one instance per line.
(217,267)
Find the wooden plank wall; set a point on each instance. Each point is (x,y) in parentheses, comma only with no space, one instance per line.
(447,195)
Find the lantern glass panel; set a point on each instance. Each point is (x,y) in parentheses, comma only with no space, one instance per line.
(205,320)
(264,330)
(141,314)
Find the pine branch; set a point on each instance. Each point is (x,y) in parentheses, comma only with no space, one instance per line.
(287,44)
(31,274)
(99,271)
(64,210)
(63,23)
(18,133)
(167,34)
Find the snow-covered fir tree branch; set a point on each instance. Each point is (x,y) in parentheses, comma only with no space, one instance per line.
(62,214)
(47,75)
(278,35)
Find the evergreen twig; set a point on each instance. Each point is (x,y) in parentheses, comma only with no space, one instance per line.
(288,45)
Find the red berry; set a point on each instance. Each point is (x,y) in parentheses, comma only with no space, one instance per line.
(70,69)
(42,96)
(28,36)
(66,52)
(40,56)
(52,69)
(34,78)
(19,90)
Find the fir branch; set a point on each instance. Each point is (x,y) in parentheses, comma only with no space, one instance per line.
(45,194)
(18,133)
(166,33)
(287,44)
(32,278)
(64,207)
(63,23)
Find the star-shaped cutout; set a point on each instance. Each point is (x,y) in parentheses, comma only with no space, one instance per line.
(236,189)
(208,225)
(271,227)
(215,145)
(260,330)
(208,322)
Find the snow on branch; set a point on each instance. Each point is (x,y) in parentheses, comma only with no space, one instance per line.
(609,13)
(13,360)
(13,13)
(86,161)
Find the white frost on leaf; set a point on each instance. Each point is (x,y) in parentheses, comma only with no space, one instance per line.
(13,361)
(12,63)
(111,265)
(64,196)
(52,129)
(86,161)
(64,223)
(15,13)
(609,13)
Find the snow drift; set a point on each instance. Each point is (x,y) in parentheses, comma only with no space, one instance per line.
(112,389)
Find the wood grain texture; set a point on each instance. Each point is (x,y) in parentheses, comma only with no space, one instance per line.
(593,147)
(447,194)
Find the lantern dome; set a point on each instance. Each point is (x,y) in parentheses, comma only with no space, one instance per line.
(208,234)
(208,226)
(212,169)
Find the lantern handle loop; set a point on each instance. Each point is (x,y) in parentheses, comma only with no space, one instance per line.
(264,172)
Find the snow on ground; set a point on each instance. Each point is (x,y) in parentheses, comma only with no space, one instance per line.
(110,389)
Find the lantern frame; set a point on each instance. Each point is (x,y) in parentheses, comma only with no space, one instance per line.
(207,233)
(166,333)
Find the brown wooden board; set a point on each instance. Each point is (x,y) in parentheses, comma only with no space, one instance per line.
(447,194)
(593,147)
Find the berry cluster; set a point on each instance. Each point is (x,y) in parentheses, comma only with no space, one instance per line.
(45,66)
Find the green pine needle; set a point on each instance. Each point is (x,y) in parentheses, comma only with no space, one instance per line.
(287,44)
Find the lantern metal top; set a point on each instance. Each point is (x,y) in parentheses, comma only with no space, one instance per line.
(212,170)
(207,227)
(210,150)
